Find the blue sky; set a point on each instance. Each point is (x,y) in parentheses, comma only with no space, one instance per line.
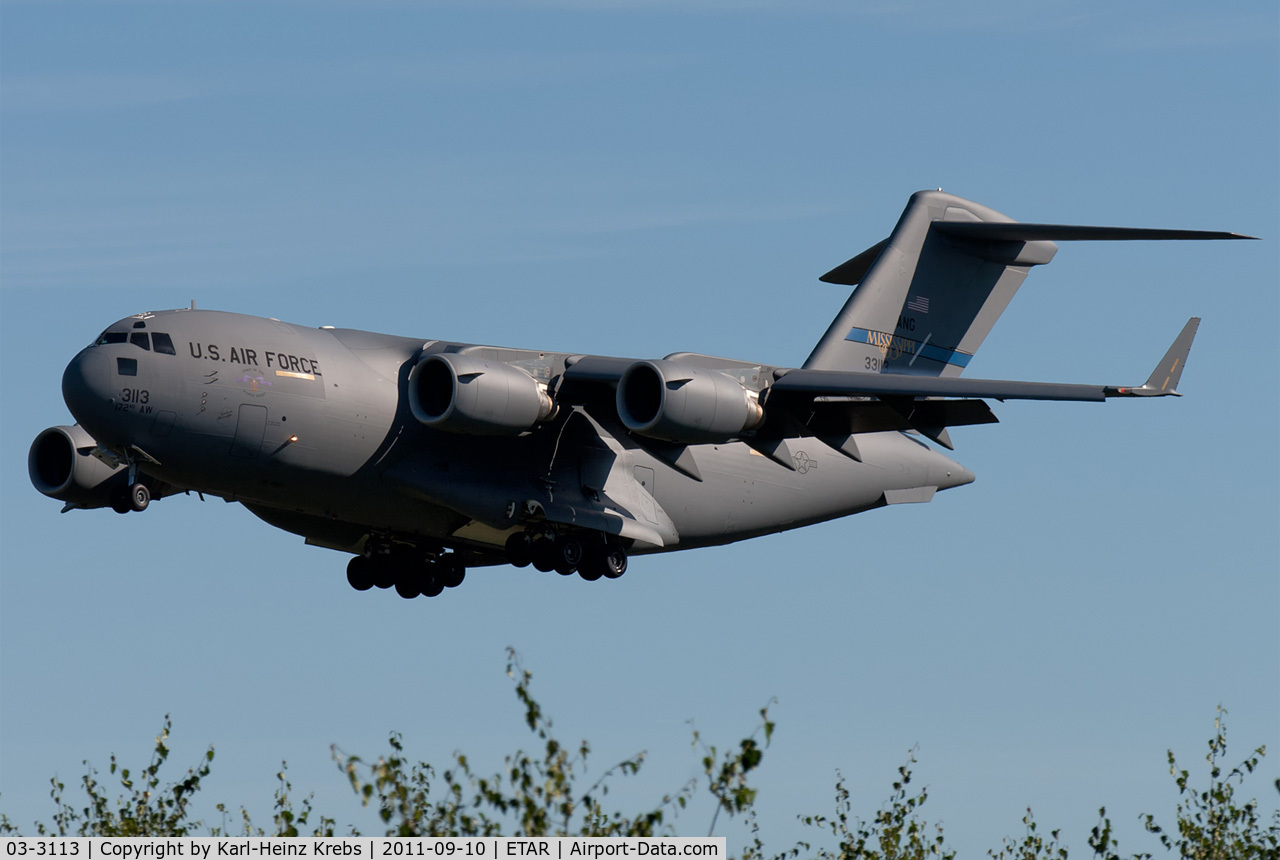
(637,178)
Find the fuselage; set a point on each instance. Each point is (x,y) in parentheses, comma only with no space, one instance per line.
(311,429)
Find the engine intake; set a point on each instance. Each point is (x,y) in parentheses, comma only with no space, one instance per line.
(62,468)
(465,394)
(670,401)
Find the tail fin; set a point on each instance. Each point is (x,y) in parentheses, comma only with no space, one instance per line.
(926,297)
(925,300)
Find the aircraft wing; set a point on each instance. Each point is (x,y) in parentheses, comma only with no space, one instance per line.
(1163,381)
(834,404)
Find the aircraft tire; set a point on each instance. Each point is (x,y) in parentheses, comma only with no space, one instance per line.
(139,497)
(450,571)
(519,549)
(120,502)
(383,572)
(407,589)
(358,573)
(592,566)
(545,555)
(614,560)
(571,552)
(428,578)
(568,555)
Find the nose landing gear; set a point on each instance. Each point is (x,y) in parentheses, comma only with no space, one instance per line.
(136,495)
(134,498)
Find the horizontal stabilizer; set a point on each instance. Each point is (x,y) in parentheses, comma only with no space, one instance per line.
(851,272)
(924,300)
(1014,231)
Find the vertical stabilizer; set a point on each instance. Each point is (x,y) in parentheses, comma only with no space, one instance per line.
(925,298)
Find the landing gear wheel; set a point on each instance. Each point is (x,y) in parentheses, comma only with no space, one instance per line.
(433,580)
(609,560)
(359,574)
(450,571)
(545,555)
(383,571)
(120,502)
(568,555)
(139,497)
(615,561)
(571,551)
(519,549)
(409,571)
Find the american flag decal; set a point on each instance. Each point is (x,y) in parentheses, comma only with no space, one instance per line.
(920,304)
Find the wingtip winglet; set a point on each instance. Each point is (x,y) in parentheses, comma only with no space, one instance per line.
(1163,381)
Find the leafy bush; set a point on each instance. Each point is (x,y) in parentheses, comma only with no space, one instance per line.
(544,794)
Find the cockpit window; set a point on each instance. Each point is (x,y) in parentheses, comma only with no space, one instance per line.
(140,338)
(163,343)
(112,337)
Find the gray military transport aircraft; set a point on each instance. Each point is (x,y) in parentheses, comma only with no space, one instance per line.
(424,458)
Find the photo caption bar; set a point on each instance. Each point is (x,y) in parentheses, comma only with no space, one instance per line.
(363,847)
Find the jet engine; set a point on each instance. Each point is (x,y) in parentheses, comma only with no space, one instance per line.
(62,468)
(465,394)
(667,400)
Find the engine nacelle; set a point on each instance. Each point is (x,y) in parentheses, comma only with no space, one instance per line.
(62,468)
(465,394)
(670,401)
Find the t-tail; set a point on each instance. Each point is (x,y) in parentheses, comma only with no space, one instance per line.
(926,297)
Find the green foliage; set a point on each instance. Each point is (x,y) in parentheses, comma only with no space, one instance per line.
(895,833)
(1211,823)
(534,794)
(1033,846)
(546,793)
(144,810)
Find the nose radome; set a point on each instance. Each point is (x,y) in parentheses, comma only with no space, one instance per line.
(87,384)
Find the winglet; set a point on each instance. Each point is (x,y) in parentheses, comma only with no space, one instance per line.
(1164,379)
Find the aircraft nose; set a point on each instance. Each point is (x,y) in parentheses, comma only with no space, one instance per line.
(86,384)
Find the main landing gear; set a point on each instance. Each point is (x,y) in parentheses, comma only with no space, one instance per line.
(409,571)
(591,555)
